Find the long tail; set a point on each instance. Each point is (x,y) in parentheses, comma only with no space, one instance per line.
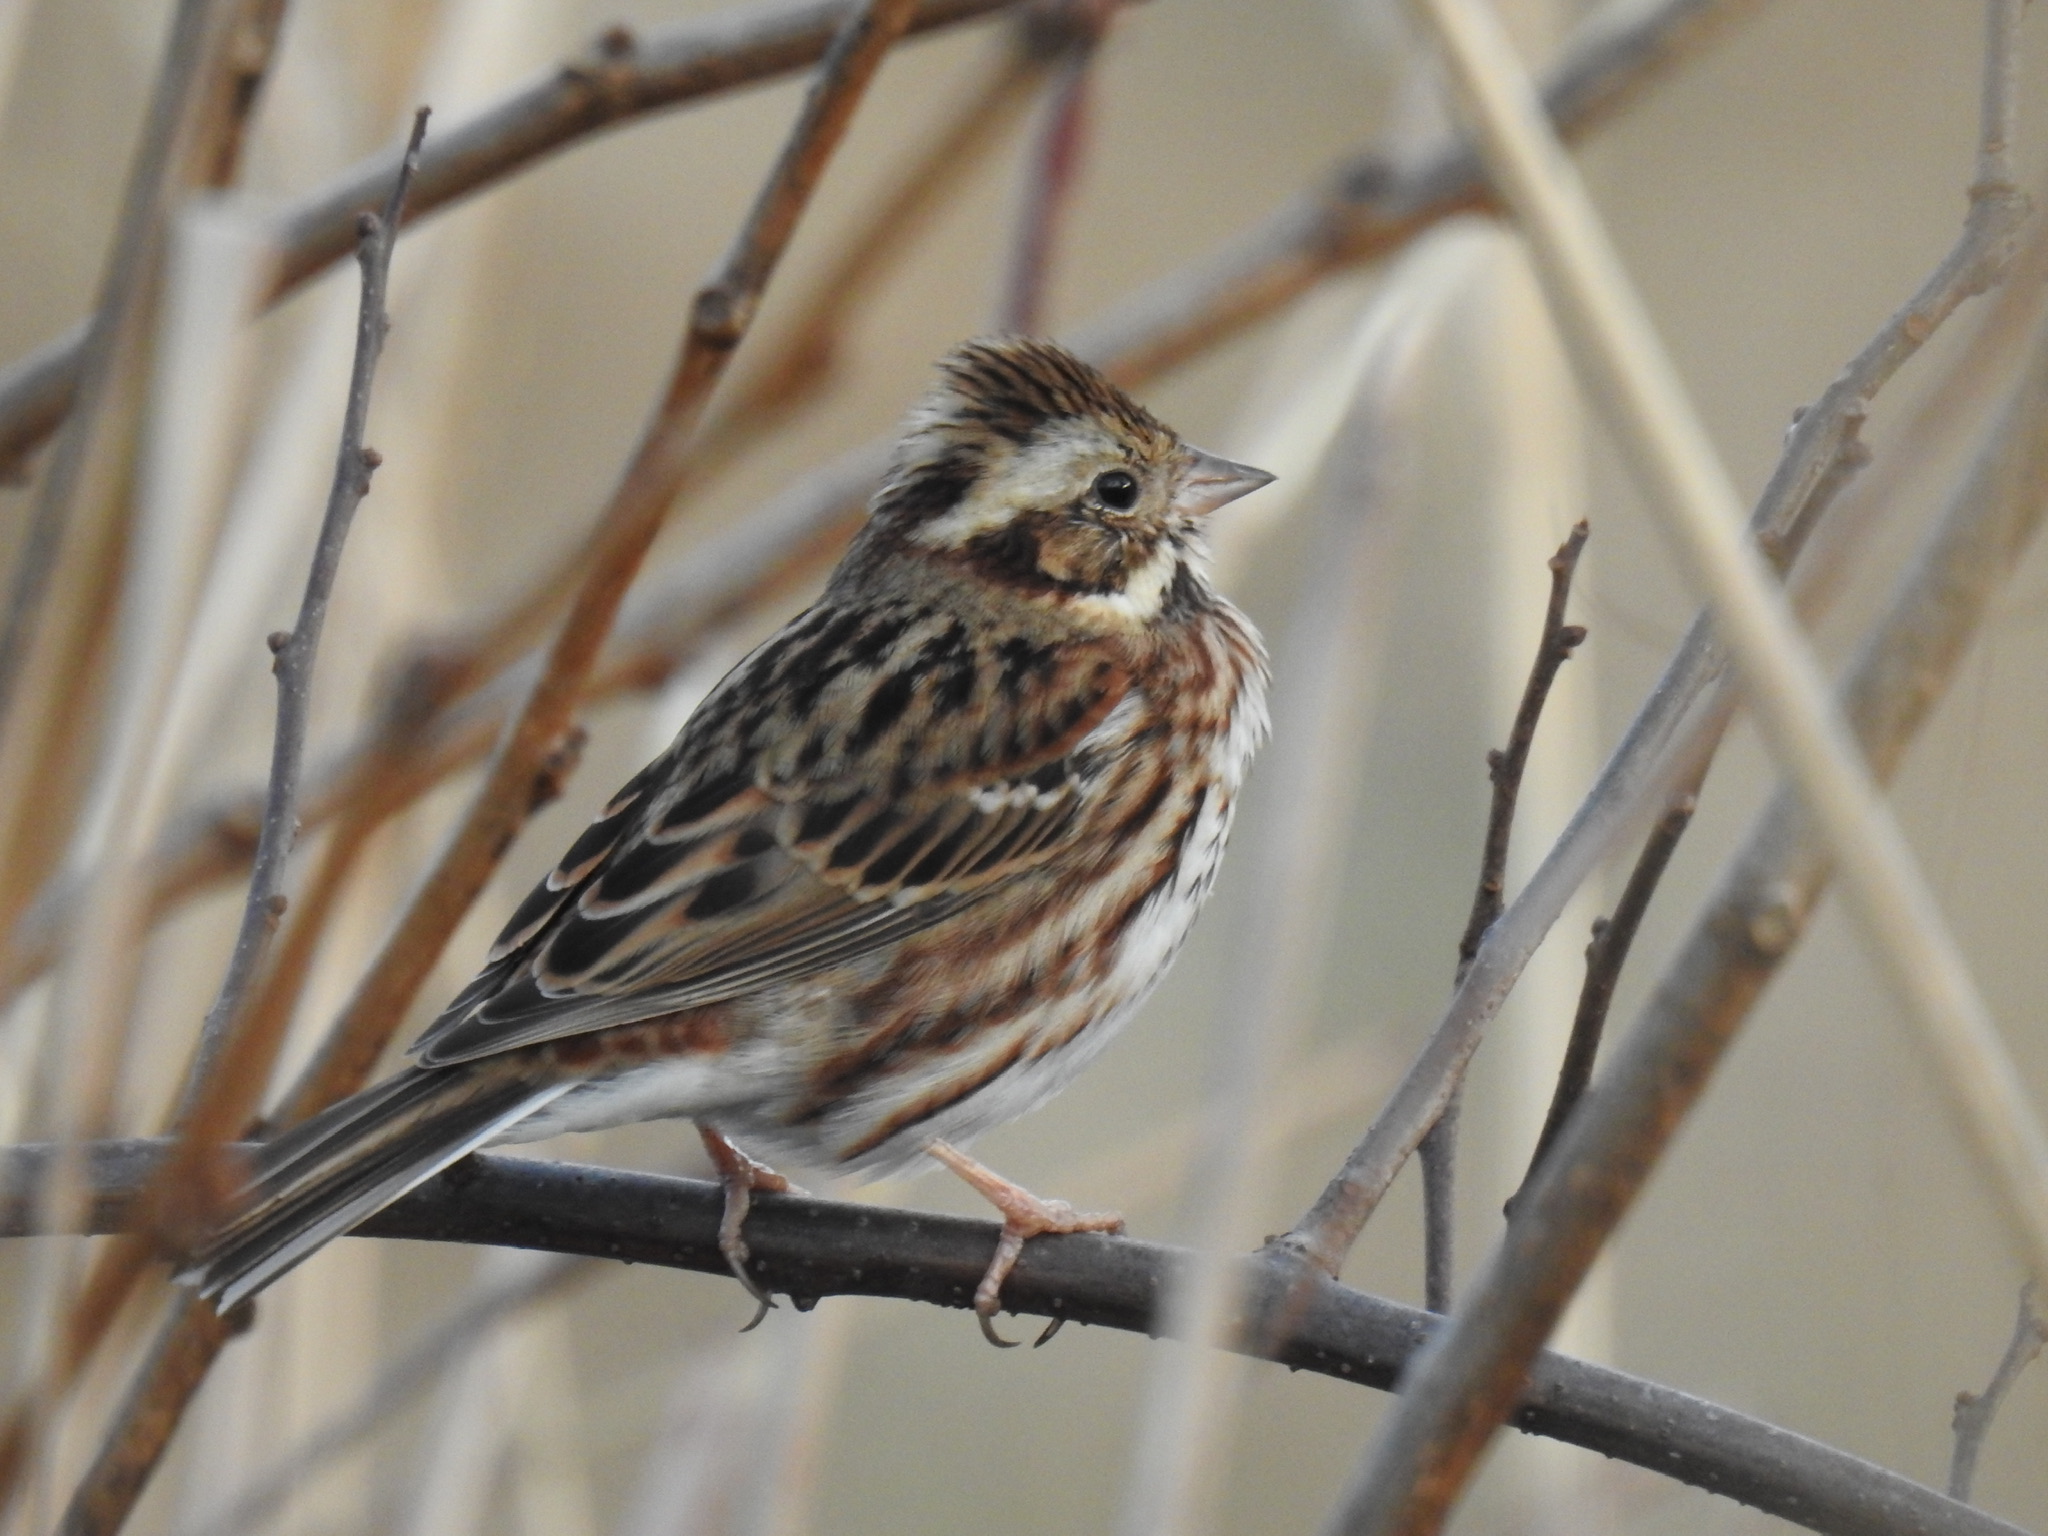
(319,1179)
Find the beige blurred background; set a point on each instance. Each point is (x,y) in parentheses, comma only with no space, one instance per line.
(1817,1250)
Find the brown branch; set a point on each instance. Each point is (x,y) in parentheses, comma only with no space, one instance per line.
(622,77)
(1974,1411)
(186,1346)
(245,58)
(800,366)
(1605,956)
(812,1248)
(1071,31)
(1675,732)
(1473,1375)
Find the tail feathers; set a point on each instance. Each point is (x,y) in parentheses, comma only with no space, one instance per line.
(319,1179)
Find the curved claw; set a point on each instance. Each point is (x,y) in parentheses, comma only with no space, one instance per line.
(741,1176)
(1025,1216)
(1051,1328)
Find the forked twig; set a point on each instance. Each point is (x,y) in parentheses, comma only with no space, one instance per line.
(1505,768)
(1474,1373)
(1667,745)
(217,1101)
(1975,1410)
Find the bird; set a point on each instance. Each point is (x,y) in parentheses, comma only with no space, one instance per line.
(904,871)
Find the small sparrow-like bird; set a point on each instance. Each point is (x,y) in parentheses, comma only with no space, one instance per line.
(905,870)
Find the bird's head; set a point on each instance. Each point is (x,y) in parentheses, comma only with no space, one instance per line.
(1029,468)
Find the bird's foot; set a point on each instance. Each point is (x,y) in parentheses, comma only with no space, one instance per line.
(741,1176)
(1025,1216)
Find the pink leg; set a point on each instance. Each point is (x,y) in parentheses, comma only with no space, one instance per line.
(1025,1216)
(741,1176)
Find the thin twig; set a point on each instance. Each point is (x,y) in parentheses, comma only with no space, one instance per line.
(813,1248)
(1474,1373)
(1974,1411)
(1505,768)
(1605,956)
(217,1102)
(1671,739)
(1439,1148)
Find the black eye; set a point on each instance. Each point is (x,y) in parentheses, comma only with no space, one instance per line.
(1116,491)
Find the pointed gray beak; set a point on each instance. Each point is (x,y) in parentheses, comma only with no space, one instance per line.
(1212,481)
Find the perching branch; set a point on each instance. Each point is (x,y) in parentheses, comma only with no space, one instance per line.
(814,1248)
(1505,769)
(1472,1375)
(1975,1410)
(1670,741)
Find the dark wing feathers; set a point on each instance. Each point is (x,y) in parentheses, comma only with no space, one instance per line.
(826,801)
